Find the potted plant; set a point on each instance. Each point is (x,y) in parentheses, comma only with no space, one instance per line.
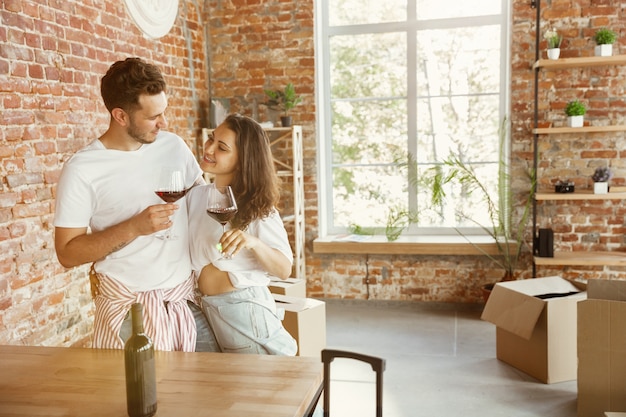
(283,100)
(601,178)
(605,38)
(575,111)
(554,43)
(507,232)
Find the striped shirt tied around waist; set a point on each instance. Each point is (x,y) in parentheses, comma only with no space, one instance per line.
(168,321)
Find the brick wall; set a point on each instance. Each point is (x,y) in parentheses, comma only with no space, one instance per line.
(52,54)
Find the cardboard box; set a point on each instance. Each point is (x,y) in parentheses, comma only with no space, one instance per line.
(602,349)
(305,320)
(536,326)
(293,287)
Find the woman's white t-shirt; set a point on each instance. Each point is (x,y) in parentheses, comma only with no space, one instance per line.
(243,269)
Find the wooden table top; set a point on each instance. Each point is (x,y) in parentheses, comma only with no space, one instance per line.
(57,381)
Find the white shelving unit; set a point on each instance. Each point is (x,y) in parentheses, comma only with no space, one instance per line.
(286,143)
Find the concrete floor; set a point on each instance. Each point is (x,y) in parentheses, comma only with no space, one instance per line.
(440,361)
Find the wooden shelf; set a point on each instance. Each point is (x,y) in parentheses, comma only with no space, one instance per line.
(584,129)
(587,61)
(584,259)
(578,195)
(409,245)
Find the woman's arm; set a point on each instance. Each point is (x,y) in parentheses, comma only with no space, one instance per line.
(272,260)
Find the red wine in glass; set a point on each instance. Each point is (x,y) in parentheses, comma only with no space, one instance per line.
(222,207)
(171,196)
(170,188)
(222,215)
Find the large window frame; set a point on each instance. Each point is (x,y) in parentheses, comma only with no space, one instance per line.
(324,33)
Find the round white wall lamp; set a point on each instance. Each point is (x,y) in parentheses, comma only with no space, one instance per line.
(155,18)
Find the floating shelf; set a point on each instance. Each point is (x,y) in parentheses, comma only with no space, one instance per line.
(587,61)
(584,129)
(584,259)
(578,195)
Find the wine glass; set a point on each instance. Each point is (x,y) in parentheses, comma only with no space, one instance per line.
(222,207)
(170,188)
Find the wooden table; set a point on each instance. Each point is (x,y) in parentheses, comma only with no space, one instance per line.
(52,381)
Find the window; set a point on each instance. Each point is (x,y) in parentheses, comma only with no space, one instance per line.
(404,83)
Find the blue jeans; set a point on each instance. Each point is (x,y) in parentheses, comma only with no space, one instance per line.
(205,340)
(247,321)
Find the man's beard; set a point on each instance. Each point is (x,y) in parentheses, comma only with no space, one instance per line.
(143,138)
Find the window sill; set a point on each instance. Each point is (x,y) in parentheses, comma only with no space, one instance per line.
(405,245)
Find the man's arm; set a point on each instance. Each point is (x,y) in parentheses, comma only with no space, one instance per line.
(74,246)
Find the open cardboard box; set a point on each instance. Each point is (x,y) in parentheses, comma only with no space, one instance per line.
(305,320)
(536,326)
(602,349)
(293,287)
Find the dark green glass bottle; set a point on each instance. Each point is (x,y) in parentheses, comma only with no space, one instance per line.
(141,395)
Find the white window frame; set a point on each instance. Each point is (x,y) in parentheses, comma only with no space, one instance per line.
(323,105)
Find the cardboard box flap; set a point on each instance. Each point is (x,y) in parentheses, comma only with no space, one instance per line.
(540,286)
(513,311)
(514,305)
(606,289)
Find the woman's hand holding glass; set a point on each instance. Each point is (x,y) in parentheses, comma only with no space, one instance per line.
(222,207)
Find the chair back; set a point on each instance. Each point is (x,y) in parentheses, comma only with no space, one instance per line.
(378,366)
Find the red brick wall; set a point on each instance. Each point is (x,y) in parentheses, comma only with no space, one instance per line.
(578,226)
(52,55)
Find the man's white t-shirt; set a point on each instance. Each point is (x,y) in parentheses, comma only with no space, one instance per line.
(244,269)
(100,187)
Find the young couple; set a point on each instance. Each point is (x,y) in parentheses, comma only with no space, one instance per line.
(107,214)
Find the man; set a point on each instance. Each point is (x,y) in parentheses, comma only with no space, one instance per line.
(107,212)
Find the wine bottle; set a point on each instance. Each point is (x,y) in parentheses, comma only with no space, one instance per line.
(141,396)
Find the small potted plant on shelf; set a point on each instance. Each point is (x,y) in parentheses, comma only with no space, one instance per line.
(554,43)
(575,111)
(605,38)
(601,178)
(284,100)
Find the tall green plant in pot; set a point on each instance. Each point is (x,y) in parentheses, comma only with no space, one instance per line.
(283,100)
(507,231)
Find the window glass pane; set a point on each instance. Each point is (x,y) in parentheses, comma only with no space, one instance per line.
(368,132)
(463,209)
(466,126)
(389,105)
(458,110)
(436,9)
(458,61)
(363,196)
(355,12)
(372,65)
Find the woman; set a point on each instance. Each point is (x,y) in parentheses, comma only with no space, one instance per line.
(234,293)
